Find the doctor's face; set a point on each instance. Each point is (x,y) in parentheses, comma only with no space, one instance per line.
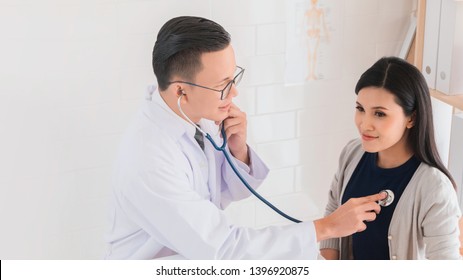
(381,122)
(218,69)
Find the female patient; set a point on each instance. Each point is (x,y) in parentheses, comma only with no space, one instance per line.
(396,151)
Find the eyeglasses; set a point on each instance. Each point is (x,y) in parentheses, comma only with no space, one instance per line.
(224,92)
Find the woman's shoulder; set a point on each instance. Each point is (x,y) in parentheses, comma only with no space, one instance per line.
(354,143)
(353,147)
(430,180)
(431,174)
(351,153)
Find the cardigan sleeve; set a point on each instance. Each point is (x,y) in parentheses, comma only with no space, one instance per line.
(439,219)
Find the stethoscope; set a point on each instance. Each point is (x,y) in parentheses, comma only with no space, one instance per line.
(384,202)
(388,199)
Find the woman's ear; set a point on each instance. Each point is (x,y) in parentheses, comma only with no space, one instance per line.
(411,121)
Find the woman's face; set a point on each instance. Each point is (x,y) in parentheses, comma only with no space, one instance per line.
(381,122)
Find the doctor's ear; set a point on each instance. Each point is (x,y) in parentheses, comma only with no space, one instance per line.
(181,92)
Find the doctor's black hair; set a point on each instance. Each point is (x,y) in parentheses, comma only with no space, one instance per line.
(179,45)
(411,92)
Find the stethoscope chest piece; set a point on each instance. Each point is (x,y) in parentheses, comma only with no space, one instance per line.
(388,200)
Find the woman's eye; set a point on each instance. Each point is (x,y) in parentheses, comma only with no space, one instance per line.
(380,114)
(359,108)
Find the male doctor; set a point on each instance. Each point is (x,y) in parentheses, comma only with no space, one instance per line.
(170,188)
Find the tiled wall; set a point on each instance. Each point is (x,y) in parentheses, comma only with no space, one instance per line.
(73,72)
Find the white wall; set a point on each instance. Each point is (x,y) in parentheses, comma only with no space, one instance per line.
(72,74)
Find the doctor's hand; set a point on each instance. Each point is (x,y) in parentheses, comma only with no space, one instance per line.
(236,130)
(349,218)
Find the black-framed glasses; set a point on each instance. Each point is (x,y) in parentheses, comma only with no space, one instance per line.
(224,92)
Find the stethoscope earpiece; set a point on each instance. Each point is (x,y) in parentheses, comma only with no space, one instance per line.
(388,200)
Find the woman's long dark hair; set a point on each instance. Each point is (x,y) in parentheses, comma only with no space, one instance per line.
(411,92)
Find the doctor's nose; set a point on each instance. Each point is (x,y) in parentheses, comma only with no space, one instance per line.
(233,91)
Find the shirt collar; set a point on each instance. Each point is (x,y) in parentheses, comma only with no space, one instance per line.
(159,112)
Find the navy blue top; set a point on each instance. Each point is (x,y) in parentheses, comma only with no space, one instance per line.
(367,179)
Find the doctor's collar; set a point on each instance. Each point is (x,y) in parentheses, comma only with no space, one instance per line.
(149,91)
(170,120)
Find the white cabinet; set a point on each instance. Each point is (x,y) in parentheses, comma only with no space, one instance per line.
(443,46)
(456,154)
(442,116)
(431,41)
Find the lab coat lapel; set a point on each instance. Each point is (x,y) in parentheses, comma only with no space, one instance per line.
(204,182)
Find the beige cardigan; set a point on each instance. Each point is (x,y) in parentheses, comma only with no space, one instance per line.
(425,221)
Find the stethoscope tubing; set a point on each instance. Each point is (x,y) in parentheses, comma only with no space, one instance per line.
(238,174)
(223,149)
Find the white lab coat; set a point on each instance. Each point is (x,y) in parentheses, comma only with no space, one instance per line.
(168,197)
